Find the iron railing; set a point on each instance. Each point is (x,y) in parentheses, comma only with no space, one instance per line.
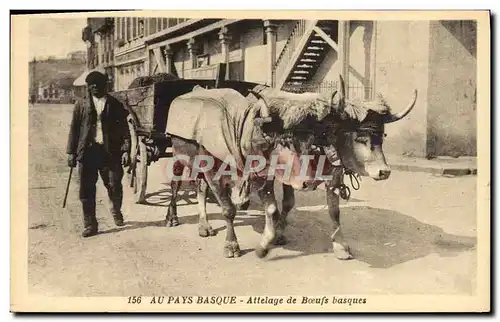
(364,93)
(206,72)
(312,87)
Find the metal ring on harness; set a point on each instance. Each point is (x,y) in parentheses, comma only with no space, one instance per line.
(356,177)
(344,191)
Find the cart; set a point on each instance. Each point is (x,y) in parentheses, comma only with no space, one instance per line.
(148,108)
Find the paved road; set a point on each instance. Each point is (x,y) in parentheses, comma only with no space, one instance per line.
(414,233)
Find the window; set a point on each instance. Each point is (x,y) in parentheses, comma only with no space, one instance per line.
(172,22)
(110,47)
(118,27)
(152,25)
(134,28)
(141,27)
(237,71)
(202,60)
(234,41)
(123,28)
(129,28)
(45,93)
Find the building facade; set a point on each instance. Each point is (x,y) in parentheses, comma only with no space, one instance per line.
(59,91)
(132,55)
(51,80)
(393,58)
(100,40)
(77,55)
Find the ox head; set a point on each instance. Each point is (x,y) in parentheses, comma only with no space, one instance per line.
(362,134)
(308,120)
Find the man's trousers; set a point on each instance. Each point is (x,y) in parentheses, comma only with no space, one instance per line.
(96,161)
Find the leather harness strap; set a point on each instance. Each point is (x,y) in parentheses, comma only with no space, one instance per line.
(334,158)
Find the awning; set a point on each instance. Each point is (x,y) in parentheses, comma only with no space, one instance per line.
(80,81)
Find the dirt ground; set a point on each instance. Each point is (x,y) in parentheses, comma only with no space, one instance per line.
(412,234)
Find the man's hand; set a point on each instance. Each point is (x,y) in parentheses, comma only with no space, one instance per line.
(71,160)
(125,159)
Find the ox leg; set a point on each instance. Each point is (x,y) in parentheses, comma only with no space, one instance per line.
(171,219)
(288,203)
(340,247)
(204,228)
(231,246)
(272,216)
(223,194)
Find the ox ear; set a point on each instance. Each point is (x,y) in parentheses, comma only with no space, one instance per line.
(356,112)
(197,88)
(265,115)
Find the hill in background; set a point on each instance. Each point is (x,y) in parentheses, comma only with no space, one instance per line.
(55,71)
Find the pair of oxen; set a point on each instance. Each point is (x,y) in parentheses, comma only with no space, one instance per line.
(289,126)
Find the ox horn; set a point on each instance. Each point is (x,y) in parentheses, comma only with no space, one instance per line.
(341,95)
(332,97)
(264,110)
(342,87)
(398,116)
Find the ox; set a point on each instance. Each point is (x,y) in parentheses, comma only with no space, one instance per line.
(295,125)
(208,127)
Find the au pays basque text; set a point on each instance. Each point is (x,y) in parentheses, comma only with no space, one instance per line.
(252,300)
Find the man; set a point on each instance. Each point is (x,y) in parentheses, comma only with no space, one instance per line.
(99,141)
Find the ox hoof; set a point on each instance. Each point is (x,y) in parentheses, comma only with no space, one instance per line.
(232,249)
(244,206)
(261,252)
(280,240)
(341,252)
(205,231)
(172,222)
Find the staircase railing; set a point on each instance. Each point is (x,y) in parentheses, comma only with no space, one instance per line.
(289,50)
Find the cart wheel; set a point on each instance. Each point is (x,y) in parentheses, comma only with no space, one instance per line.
(141,173)
(134,151)
(138,172)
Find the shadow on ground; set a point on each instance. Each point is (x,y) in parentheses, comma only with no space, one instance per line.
(186,196)
(379,237)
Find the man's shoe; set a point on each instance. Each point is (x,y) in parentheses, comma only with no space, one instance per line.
(118,219)
(89,232)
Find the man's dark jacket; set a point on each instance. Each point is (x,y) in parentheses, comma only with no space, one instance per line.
(115,131)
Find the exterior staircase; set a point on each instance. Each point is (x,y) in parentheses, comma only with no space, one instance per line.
(304,52)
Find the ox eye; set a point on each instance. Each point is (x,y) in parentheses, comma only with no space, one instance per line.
(362,139)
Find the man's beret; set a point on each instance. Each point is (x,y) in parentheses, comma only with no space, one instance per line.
(96,77)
